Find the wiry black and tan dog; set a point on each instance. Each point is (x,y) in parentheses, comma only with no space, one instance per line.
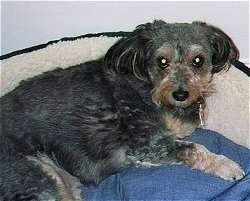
(132,106)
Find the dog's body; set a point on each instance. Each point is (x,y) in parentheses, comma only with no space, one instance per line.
(97,118)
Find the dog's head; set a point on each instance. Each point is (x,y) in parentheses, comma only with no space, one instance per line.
(179,59)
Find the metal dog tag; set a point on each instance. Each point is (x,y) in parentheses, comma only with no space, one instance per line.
(202,116)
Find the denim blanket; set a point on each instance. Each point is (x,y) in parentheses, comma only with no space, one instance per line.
(178,182)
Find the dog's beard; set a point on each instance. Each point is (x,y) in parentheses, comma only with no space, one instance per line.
(193,108)
(196,112)
(162,94)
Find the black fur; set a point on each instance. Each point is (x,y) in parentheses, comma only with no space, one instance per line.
(224,50)
(97,118)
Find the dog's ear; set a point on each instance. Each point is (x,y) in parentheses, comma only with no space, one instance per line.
(224,51)
(130,54)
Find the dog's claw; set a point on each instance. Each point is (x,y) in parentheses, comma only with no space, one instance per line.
(236,174)
(228,170)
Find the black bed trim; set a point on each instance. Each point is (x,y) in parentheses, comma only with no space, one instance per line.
(241,66)
(41,46)
(238,64)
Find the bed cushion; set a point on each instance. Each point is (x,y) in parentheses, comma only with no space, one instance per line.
(178,182)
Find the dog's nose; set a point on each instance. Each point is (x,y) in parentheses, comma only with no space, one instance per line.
(180,95)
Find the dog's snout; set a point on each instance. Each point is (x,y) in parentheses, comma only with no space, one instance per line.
(180,95)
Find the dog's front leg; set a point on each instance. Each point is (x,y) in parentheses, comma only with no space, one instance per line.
(196,156)
(199,157)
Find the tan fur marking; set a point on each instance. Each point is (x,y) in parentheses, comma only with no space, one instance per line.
(161,91)
(200,88)
(67,185)
(177,128)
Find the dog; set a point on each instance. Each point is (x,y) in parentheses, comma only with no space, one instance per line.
(79,125)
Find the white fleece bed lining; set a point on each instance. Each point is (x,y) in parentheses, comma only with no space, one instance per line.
(228,108)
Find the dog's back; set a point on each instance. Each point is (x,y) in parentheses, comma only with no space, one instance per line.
(75,116)
(41,116)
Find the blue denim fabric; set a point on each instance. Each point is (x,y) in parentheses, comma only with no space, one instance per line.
(178,182)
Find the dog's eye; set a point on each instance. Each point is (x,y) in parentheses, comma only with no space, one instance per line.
(198,61)
(162,62)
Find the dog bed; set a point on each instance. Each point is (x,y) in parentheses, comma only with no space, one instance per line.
(228,110)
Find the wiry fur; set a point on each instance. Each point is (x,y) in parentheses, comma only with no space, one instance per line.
(97,118)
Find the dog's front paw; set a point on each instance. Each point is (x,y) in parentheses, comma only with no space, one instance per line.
(198,157)
(225,168)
